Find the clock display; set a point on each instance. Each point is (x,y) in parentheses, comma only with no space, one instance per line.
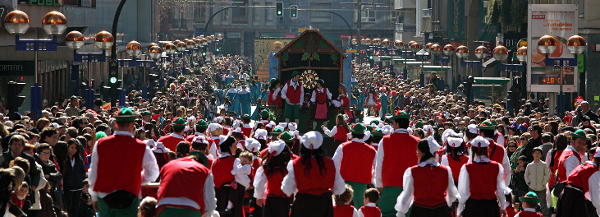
(309,79)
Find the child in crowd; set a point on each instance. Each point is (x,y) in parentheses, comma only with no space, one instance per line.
(529,203)
(147,207)
(370,208)
(537,176)
(520,186)
(85,206)
(18,197)
(342,207)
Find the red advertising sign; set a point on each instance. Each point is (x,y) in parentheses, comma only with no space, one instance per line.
(538,16)
(290,35)
(346,37)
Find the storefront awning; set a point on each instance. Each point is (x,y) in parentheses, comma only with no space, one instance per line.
(491,80)
(436,68)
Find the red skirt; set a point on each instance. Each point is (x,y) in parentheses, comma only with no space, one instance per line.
(321,112)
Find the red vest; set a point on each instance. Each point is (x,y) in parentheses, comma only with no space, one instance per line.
(221,170)
(225,131)
(341,135)
(170,142)
(343,211)
(270,100)
(312,181)
(400,149)
(294,94)
(456,165)
(321,97)
(176,176)
(553,168)
(369,211)
(120,158)
(430,184)
(581,176)
(498,153)
(345,101)
(530,214)
(210,163)
(483,179)
(357,162)
(246,131)
(562,171)
(274,184)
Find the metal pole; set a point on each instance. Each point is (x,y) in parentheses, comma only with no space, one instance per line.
(358,35)
(35,65)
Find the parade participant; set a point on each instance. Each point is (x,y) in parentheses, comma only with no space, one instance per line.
(268,180)
(229,189)
(232,95)
(321,97)
(428,187)
(275,133)
(342,207)
(370,208)
(260,104)
(176,197)
(584,179)
(342,102)
(170,141)
(496,152)
(292,93)
(456,156)
(199,147)
(376,136)
(318,178)
(529,203)
(261,136)
(355,160)
(265,116)
(246,127)
(394,155)
(274,97)
(111,195)
(371,101)
(288,139)
(200,128)
(384,99)
(481,184)
(239,138)
(338,132)
(571,156)
(244,98)
(214,131)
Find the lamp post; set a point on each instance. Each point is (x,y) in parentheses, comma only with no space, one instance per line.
(449,51)
(54,23)
(134,49)
(399,45)
(436,51)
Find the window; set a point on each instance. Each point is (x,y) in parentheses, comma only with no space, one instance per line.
(318,16)
(367,16)
(188,11)
(269,12)
(200,14)
(240,15)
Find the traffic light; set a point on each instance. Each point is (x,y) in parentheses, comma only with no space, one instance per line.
(294,11)
(279,6)
(204,53)
(14,100)
(217,49)
(370,57)
(113,72)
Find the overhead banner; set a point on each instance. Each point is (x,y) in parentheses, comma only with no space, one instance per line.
(456,19)
(560,21)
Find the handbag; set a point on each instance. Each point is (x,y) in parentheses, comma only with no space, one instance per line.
(119,199)
(558,188)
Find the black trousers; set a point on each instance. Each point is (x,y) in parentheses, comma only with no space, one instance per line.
(72,201)
(225,194)
(277,206)
(308,205)
(478,208)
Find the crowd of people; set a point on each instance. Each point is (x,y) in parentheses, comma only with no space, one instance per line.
(197,148)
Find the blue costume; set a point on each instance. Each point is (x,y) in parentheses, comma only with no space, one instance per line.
(256,113)
(233,99)
(229,78)
(383,98)
(219,96)
(254,91)
(361,101)
(244,102)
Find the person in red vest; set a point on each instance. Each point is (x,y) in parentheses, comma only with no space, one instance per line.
(268,180)
(339,133)
(583,179)
(370,208)
(429,186)
(455,157)
(292,92)
(170,141)
(112,195)
(246,126)
(317,179)
(199,147)
(201,128)
(356,160)
(214,131)
(274,97)
(395,154)
(480,184)
(322,98)
(342,207)
(229,189)
(496,152)
(571,156)
(176,197)
(529,203)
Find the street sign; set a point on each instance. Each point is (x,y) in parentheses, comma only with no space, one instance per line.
(304,29)
(350,50)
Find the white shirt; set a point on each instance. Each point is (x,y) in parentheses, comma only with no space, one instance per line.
(314,94)
(339,155)
(338,102)
(406,198)
(328,132)
(360,213)
(260,184)
(275,93)
(464,185)
(379,160)
(149,174)
(594,186)
(240,172)
(210,202)
(572,161)
(295,85)
(289,182)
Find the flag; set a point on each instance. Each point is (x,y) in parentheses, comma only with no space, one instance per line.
(106,106)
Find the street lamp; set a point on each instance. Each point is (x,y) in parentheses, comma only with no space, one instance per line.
(134,49)
(481,52)
(74,40)
(16,22)
(219,37)
(104,40)
(522,54)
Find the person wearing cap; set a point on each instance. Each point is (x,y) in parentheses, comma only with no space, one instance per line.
(585,178)
(496,152)
(170,141)
(395,154)
(246,126)
(275,133)
(176,197)
(268,181)
(376,136)
(230,185)
(201,128)
(571,156)
(322,98)
(288,138)
(456,156)
(120,198)
(429,186)
(265,115)
(199,146)
(317,179)
(292,92)
(355,160)
(529,203)
(481,184)
(239,138)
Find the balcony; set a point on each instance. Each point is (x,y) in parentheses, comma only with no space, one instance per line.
(404,4)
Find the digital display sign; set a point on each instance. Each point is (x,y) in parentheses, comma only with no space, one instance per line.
(552,79)
(549,80)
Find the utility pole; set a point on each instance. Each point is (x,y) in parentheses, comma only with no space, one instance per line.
(358,35)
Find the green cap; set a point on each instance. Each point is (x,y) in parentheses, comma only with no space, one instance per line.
(579,134)
(400,114)
(125,115)
(419,124)
(370,128)
(530,197)
(100,135)
(286,136)
(486,125)
(295,73)
(146,113)
(201,124)
(376,122)
(179,122)
(277,131)
(272,80)
(246,117)
(232,113)
(359,129)
(377,132)
(264,113)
